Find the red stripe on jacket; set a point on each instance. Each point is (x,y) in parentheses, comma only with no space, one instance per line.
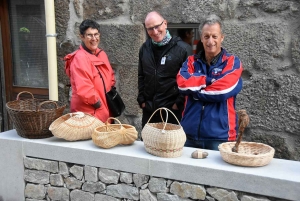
(231,119)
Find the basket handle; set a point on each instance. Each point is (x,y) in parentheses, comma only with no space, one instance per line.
(114,119)
(165,122)
(23,92)
(77,114)
(49,101)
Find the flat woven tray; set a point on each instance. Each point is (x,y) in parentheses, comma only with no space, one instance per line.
(250,154)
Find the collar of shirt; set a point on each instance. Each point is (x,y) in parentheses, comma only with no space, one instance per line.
(213,61)
(89,51)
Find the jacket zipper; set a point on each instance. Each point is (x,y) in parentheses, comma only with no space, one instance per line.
(199,128)
(155,71)
(153,102)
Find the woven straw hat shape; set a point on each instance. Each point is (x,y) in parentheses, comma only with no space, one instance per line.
(110,135)
(164,139)
(250,154)
(75,126)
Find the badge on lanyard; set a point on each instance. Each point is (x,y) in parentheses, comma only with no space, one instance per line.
(163,60)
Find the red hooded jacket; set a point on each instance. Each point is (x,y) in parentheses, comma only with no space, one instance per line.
(87,86)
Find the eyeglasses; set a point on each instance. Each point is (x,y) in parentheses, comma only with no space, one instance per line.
(155,27)
(90,36)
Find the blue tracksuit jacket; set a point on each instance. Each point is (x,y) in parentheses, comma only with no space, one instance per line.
(210,95)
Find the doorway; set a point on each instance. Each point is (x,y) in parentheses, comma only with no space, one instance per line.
(24,51)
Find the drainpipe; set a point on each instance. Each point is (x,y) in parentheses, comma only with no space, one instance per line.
(51,49)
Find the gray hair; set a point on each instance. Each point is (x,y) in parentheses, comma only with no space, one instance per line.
(211,19)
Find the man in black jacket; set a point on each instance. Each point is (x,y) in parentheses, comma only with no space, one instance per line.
(160,59)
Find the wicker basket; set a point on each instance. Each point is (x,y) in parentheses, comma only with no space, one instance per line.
(32,117)
(75,126)
(250,154)
(164,139)
(110,135)
(129,134)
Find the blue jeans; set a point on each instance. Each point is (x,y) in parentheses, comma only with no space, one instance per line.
(207,144)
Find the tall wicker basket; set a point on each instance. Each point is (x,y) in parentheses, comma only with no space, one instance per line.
(32,117)
(164,139)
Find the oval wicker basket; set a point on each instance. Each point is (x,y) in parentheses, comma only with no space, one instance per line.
(250,154)
(110,135)
(129,134)
(164,139)
(32,117)
(75,126)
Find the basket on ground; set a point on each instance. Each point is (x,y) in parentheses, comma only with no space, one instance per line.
(250,154)
(32,117)
(110,135)
(164,139)
(75,126)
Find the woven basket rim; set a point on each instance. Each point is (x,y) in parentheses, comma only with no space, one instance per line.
(221,149)
(165,130)
(59,105)
(80,124)
(100,127)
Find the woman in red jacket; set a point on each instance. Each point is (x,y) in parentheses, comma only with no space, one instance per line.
(86,68)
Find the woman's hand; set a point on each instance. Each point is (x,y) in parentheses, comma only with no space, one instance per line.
(97,104)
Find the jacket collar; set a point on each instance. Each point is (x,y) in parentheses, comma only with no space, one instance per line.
(89,51)
(173,41)
(201,55)
(96,60)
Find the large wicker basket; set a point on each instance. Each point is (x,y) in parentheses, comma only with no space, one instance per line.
(164,139)
(75,126)
(110,135)
(32,117)
(250,154)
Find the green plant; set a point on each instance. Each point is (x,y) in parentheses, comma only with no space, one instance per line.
(24,30)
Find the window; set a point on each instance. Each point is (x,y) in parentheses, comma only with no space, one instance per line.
(29,44)
(187,32)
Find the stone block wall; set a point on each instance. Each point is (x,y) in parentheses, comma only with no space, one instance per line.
(56,180)
(264,34)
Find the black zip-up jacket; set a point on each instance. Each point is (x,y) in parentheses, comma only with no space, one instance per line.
(157,81)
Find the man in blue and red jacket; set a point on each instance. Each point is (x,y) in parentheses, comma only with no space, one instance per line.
(210,81)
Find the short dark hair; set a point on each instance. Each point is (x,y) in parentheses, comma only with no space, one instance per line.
(211,19)
(181,32)
(85,24)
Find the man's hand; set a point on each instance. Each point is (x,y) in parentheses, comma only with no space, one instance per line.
(143,105)
(174,107)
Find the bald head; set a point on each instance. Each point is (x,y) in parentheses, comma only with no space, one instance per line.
(154,15)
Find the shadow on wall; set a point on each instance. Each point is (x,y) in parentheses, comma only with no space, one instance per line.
(1,199)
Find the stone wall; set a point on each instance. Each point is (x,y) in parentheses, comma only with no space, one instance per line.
(265,34)
(56,180)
